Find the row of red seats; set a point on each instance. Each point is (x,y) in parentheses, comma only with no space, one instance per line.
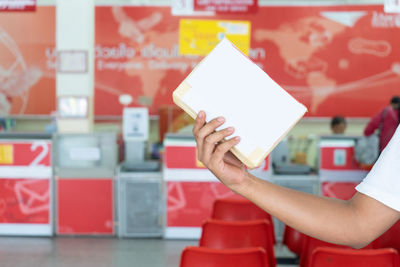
(304,246)
(321,257)
(241,234)
(238,234)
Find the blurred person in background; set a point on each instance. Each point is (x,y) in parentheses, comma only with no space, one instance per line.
(386,122)
(338,125)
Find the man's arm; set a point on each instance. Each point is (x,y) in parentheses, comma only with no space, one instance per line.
(354,223)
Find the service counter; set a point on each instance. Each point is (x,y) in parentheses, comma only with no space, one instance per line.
(191,188)
(338,169)
(85,166)
(26,184)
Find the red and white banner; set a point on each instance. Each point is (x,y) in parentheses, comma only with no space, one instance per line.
(226,6)
(17,5)
(25,187)
(334,59)
(180,158)
(35,153)
(30,159)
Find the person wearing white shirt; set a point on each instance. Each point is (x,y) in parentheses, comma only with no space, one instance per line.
(356,222)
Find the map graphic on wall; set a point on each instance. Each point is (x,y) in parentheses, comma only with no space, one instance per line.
(334,59)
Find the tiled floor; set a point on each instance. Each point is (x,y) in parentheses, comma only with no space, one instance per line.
(95,252)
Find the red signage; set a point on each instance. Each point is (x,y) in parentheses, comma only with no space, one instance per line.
(25,154)
(334,59)
(17,5)
(226,6)
(25,201)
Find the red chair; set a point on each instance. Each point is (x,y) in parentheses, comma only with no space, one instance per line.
(207,257)
(239,209)
(341,257)
(293,239)
(391,238)
(310,244)
(219,234)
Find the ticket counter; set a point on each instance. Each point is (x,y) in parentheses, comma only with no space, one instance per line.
(338,169)
(26,184)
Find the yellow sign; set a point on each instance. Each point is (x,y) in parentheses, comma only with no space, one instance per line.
(6,154)
(199,37)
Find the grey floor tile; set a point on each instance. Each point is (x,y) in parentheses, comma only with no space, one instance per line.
(96,252)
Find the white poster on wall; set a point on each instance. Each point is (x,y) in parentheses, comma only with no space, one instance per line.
(392,6)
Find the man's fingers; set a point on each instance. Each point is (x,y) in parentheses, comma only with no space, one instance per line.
(206,130)
(232,159)
(223,148)
(199,122)
(211,141)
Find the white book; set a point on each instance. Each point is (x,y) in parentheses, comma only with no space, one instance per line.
(227,83)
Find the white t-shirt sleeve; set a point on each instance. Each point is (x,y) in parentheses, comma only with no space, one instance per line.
(383,181)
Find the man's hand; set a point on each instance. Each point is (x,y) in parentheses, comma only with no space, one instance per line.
(214,152)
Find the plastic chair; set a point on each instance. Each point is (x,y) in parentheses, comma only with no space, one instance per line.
(239,209)
(293,239)
(341,257)
(219,234)
(310,244)
(391,238)
(207,257)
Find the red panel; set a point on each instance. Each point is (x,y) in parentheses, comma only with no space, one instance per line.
(24,201)
(185,157)
(85,206)
(328,161)
(180,157)
(27,154)
(189,204)
(339,190)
